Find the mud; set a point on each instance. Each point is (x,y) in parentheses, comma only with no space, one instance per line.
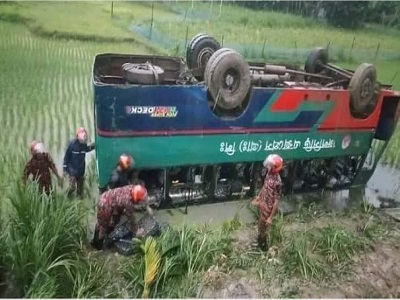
(375,273)
(217,284)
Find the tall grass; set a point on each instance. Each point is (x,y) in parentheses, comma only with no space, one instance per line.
(44,240)
(337,245)
(185,255)
(298,257)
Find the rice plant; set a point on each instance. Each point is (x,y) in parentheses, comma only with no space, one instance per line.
(298,258)
(245,260)
(307,211)
(337,245)
(275,231)
(372,228)
(232,225)
(366,207)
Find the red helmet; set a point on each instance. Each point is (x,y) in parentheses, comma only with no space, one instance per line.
(274,163)
(125,161)
(139,193)
(81,134)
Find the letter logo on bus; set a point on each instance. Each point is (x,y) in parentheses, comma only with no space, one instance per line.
(153,111)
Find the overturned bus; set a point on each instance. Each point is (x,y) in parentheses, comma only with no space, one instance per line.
(200,129)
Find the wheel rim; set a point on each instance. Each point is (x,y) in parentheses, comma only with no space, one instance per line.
(231,80)
(366,90)
(204,56)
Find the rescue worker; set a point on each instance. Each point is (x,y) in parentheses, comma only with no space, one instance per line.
(123,173)
(39,166)
(112,205)
(74,162)
(135,178)
(268,198)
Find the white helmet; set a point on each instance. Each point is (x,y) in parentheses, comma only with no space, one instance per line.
(273,162)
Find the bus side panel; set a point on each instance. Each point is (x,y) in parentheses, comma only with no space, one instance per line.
(167,151)
(159,110)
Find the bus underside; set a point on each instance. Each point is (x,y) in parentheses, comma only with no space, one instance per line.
(189,185)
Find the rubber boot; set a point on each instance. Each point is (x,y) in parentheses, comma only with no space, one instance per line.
(96,242)
(262,243)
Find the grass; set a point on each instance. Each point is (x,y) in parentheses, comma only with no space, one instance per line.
(299,259)
(277,28)
(337,245)
(95,21)
(44,250)
(43,259)
(184,254)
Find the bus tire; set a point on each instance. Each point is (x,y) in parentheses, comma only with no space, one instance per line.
(190,46)
(199,51)
(143,73)
(314,60)
(363,90)
(211,61)
(229,80)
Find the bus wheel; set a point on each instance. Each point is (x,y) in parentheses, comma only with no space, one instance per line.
(199,51)
(316,58)
(229,80)
(364,91)
(143,73)
(211,61)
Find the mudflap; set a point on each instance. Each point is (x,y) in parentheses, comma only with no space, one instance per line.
(122,237)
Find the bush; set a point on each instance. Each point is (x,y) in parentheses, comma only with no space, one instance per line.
(185,254)
(44,242)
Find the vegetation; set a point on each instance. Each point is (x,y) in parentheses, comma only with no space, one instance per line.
(349,15)
(43,244)
(44,253)
(45,93)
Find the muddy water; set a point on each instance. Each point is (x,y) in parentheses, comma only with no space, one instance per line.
(383,190)
(384,185)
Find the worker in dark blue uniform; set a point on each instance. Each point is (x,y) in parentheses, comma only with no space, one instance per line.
(74,162)
(123,173)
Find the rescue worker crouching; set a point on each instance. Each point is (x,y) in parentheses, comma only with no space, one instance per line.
(74,162)
(268,198)
(39,166)
(115,203)
(123,173)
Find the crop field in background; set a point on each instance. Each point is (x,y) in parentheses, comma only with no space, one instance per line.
(45,90)
(263,35)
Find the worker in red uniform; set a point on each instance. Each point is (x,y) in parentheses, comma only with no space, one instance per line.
(269,196)
(40,167)
(115,203)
